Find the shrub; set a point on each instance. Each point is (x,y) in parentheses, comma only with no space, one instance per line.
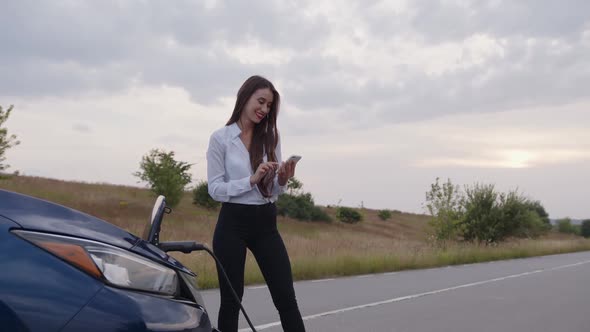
(520,217)
(585,228)
(482,214)
(6,141)
(384,214)
(202,198)
(564,225)
(540,210)
(444,203)
(294,186)
(165,175)
(348,215)
(301,207)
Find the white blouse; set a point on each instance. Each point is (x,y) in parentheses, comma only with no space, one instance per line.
(229,170)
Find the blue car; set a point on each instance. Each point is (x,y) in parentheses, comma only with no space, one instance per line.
(63,270)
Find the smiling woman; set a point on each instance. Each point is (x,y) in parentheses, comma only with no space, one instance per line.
(246,173)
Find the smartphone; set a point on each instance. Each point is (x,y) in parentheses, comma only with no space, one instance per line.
(296,158)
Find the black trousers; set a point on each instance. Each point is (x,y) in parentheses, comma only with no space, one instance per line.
(254,227)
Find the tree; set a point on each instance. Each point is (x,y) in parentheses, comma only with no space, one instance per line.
(201,196)
(165,175)
(482,214)
(6,141)
(348,215)
(538,207)
(444,203)
(299,205)
(294,185)
(384,214)
(585,229)
(564,225)
(482,218)
(521,217)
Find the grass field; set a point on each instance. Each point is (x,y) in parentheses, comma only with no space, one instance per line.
(317,250)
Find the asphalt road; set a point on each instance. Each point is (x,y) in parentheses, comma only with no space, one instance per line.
(550,293)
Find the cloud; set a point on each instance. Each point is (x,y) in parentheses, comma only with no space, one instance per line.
(69,47)
(527,138)
(82,128)
(396,61)
(457,19)
(510,159)
(379,162)
(467,89)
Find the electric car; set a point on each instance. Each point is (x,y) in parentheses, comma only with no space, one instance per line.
(63,270)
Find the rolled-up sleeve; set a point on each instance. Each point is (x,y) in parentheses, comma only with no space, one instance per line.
(220,189)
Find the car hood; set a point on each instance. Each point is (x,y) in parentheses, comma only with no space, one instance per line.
(43,216)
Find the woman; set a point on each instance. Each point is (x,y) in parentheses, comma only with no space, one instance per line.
(245,172)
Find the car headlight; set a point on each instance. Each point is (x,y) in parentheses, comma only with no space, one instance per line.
(191,282)
(113,265)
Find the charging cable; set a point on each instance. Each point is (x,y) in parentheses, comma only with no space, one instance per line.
(188,247)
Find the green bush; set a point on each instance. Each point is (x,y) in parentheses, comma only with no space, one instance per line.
(6,141)
(540,210)
(444,202)
(482,217)
(492,217)
(165,175)
(301,207)
(520,217)
(565,225)
(384,214)
(294,186)
(348,215)
(202,198)
(482,214)
(585,228)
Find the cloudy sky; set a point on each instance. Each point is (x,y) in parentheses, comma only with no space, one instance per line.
(379,97)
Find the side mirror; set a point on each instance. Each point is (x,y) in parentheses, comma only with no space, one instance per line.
(151,232)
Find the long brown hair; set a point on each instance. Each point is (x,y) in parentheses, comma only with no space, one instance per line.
(266,136)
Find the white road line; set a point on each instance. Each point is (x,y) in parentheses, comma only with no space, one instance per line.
(320,280)
(569,265)
(414,296)
(257,287)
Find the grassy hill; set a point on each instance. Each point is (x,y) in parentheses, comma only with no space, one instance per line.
(317,250)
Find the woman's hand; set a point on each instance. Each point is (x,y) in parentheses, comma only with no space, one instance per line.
(286,171)
(262,169)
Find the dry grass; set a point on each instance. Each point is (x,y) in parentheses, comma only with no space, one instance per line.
(317,250)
